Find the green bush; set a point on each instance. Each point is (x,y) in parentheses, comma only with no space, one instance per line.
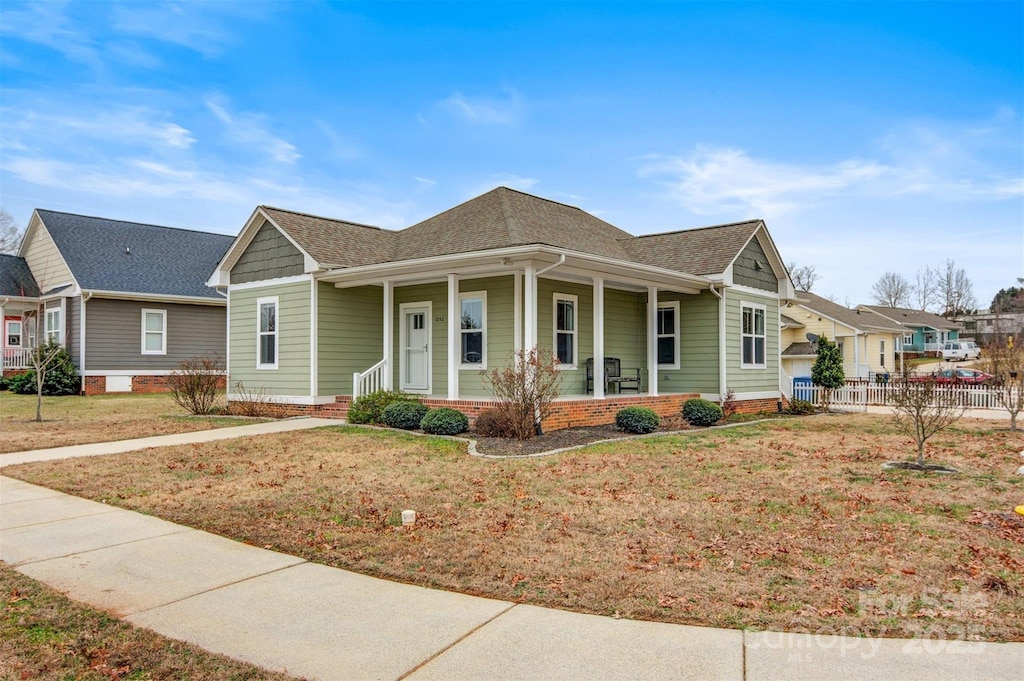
(701,412)
(493,423)
(444,421)
(639,420)
(404,414)
(370,408)
(61,375)
(801,407)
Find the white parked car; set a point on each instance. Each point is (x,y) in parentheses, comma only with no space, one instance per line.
(954,350)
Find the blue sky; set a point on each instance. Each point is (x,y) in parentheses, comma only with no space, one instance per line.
(870,137)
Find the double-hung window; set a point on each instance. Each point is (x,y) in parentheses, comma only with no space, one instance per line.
(881,352)
(52,327)
(753,336)
(266,333)
(154,332)
(473,330)
(566,342)
(13,333)
(668,335)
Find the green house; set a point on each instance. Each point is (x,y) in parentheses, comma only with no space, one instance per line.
(323,310)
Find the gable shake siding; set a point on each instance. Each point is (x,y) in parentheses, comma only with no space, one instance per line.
(745,270)
(269,256)
(293,361)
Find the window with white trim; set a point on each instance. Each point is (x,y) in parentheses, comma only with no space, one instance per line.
(668,335)
(881,351)
(473,330)
(154,332)
(752,336)
(266,333)
(13,333)
(908,338)
(52,325)
(566,341)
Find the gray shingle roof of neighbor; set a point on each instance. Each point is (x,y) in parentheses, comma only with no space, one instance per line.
(799,350)
(909,317)
(128,257)
(16,278)
(855,318)
(503,218)
(789,321)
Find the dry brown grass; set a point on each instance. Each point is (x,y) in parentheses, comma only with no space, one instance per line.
(784,525)
(78,420)
(44,635)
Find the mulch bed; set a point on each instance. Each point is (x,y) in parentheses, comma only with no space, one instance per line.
(568,437)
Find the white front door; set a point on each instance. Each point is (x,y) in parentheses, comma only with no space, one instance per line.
(415,342)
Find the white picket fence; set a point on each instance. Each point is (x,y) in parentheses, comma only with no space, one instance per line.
(860,395)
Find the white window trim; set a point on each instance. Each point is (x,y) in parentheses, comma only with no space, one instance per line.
(163,332)
(674,304)
(556,298)
(881,350)
(59,331)
(260,302)
(21,332)
(764,309)
(471,295)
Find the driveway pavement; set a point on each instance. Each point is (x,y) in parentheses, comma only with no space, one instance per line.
(284,613)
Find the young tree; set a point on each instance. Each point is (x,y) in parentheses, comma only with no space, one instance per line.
(45,357)
(804,276)
(892,290)
(10,233)
(956,290)
(525,390)
(827,371)
(926,288)
(1004,359)
(923,407)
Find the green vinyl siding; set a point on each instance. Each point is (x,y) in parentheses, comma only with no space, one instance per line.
(351,334)
(698,345)
(292,374)
(624,335)
(268,256)
(751,380)
(752,269)
(574,381)
(499,334)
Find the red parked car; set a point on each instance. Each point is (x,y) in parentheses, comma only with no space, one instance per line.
(958,377)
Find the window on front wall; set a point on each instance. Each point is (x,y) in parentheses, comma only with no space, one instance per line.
(908,339)
(565,329)
(473,329)
(881,352)
(668,335)
(13,334)
(53,325)
(266,333)
(753,336)
(154,332)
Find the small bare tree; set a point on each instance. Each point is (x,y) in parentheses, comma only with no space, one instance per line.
(195,383)
(43,358)
(956,290)
(10,233)
(1004,359)
(804,276)
(892,290)
(926,288)
(922,407)
(525,390)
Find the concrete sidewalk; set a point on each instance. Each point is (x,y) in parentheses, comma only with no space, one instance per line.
(283,613)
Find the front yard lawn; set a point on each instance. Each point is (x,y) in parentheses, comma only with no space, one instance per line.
(76,420)
(784,525)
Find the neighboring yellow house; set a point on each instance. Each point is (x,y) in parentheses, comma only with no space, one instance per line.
(870,343)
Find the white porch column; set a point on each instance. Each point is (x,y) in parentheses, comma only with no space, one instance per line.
(389,335)
(530,309)
(598,338)
(856,355)
(517,312)
(652,341)
(454,326)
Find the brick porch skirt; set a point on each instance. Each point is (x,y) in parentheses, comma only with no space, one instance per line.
(567,413)
(97,385)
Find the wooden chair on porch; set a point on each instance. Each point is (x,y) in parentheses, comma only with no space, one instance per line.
(613,376)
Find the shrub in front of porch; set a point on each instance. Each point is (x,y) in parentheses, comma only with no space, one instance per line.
(701,412)
(444,421)
(492,423)
(525,390)
(370,408)
(404,414)
(639,420)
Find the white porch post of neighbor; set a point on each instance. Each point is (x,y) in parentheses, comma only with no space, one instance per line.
(652,341)
(517,312)
(530,309)
(598,339)
(389,315)
(454,327)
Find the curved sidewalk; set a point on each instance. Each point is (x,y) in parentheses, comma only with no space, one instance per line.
(284,613)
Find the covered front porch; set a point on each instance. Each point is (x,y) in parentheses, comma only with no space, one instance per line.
(19,332)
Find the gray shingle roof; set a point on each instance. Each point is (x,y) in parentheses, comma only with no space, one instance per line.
(16,278)
(913,318)
(503,218)
(863,321)
(800,350)
(128,257)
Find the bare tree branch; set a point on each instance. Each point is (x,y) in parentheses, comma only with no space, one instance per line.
(804,276)
(10,233)
(892,290)
(956,290)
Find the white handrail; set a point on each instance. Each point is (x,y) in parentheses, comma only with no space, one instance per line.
(369,381)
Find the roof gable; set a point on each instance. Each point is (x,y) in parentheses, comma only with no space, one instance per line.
(129,257)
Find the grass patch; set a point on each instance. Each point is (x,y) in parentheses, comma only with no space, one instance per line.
(44,635)
(788,524)
(76,420)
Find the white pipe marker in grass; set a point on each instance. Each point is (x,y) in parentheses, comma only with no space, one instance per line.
(408,517)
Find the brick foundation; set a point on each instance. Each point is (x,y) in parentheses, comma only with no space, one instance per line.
(95,385)
(567,413)
(143,385)
(8,373)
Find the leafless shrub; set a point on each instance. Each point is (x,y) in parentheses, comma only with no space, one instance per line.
(492,423)
(252,402)
(922,407)
(525,390)
(729,403)
(1005,361)
(195,384)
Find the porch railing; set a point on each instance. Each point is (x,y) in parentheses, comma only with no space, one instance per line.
(17,358)
(370,380)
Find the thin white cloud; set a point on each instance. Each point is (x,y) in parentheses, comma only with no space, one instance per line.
(249,130)
(485,110)
(509,180)
(111,124)
(47,24)
(204,27)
